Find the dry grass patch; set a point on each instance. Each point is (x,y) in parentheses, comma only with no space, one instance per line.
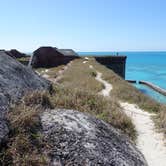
(25,145)
(24,60)
(80,76)
(160,119)
(38,98)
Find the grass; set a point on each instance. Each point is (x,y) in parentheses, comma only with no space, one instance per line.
(80,76)
(52,72)
(25,144)
(160,119)
(124,91)
(24,60)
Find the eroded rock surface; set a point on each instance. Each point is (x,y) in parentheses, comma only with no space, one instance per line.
(15,80)
(80,139)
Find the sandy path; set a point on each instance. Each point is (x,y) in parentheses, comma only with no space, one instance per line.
(149,142)
(85,62)
(108,87)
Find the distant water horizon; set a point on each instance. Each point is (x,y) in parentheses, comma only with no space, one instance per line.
(142,65)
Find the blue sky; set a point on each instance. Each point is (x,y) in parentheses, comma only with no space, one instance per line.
(84,25)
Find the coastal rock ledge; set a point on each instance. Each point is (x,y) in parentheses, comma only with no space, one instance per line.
(79,139)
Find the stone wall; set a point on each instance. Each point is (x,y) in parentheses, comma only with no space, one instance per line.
(115,63)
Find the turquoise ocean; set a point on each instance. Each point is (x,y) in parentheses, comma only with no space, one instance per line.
(147,66)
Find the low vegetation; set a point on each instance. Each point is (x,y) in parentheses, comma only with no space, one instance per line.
(160,119)
(25,144)
(52,72)
(124,91)
(80,76)
(24,60)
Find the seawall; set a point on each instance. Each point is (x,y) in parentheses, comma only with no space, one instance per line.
(156,88)
(131,81)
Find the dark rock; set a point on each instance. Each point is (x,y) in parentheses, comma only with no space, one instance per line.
(49,57)
(15,80)
(15,53)
(80,139)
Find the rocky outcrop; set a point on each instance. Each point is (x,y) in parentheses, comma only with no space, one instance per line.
(15,53)
(49,57)
(80,139)
(15,80)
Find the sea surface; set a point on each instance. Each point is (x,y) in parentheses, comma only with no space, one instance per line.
(147,66)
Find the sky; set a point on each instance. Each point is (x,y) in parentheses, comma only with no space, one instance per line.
(83,25)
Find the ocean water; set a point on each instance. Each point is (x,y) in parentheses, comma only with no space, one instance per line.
(147,66)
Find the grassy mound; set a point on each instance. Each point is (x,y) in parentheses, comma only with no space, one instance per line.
(80,76)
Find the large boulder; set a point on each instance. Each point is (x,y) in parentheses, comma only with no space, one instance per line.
(49,57)
(15,53)
(79,139)
(15,80)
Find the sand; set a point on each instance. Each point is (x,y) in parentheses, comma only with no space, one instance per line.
(108,87)
(84,62)
(150,142)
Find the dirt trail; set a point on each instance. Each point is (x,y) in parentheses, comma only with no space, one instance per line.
(108,87)
(149,142)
